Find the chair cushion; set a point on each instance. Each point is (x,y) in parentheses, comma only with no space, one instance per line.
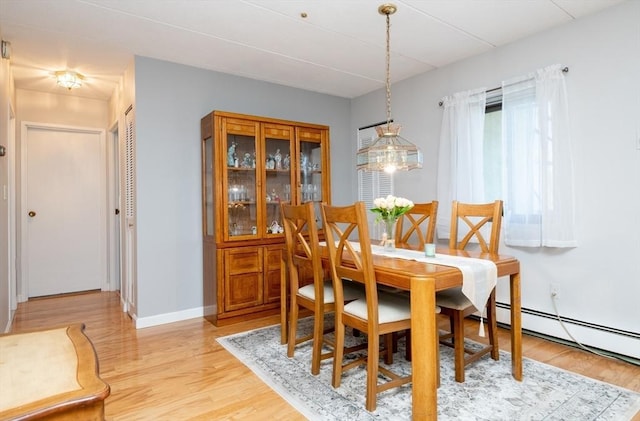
(391,308)
(309,292)
(350,290)
(453,298)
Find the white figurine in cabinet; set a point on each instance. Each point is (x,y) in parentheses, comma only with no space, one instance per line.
(247,162)
(231,155)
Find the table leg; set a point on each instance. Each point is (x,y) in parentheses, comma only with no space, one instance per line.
(424,360)
(516,327)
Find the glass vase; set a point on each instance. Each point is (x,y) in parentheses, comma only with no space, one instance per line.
(389,236)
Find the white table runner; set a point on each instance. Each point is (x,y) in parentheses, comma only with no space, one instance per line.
(479,276)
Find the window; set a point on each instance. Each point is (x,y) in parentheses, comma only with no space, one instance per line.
(492,149)
(538,186)
(372,184)
(495,167)
(513,144)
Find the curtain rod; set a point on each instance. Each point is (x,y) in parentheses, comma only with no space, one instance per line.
(375,124)
(564,70)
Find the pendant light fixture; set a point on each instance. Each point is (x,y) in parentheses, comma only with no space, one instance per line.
(389,151)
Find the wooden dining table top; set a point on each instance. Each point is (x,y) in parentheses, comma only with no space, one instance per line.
(397,272)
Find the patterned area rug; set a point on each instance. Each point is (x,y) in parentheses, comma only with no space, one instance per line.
(488,393)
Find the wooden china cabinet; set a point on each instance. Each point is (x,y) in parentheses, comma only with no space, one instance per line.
(250,165)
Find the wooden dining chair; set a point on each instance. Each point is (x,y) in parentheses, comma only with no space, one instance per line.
(417,226)
(452,302)
(378,314)
(414,229)
(310,284)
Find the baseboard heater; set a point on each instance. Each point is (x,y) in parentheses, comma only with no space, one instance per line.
(607,329)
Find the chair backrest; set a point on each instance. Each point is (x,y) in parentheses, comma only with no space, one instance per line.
(303,250)
(418,222)
(340,224)
(476,217)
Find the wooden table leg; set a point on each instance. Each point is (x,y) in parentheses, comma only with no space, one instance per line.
(284,314)
(516,327)
(424,360)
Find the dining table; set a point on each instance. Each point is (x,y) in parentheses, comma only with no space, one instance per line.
(423,279)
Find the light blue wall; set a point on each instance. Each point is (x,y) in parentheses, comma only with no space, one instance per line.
(170,101)
(599,280)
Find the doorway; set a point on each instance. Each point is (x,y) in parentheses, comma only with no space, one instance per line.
(113,211)
(63,210)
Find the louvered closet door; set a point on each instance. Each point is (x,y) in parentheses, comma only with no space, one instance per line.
(129,281)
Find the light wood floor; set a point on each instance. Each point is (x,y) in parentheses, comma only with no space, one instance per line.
(179,372)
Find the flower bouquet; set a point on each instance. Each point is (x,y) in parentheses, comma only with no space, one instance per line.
(389,209)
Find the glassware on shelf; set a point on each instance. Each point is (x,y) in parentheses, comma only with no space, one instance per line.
(310,192)
(287,192)
(286,163)
(238,193)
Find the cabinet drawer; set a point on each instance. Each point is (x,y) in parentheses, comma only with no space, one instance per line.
(243,260)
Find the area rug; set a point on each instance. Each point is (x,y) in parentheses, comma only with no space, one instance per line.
(488,393)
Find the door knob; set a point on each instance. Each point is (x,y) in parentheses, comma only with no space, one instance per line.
(31,214)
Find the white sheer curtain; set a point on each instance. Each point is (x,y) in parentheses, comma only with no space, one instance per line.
(538,175)
(460,160)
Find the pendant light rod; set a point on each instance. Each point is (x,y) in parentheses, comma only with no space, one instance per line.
(388,9)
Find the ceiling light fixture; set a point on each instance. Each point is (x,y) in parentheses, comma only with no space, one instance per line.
(389,152)
(68,79)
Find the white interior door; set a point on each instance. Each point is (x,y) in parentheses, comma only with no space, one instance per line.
(64,203)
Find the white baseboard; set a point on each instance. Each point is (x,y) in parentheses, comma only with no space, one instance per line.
(161,319)
(588,336)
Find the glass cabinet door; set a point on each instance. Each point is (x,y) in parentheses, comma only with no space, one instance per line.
(313,185)
(207,181)
(278,141)
(240,146)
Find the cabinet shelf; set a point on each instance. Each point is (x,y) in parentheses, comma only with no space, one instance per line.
(241,169)
(278,202)
(240,204)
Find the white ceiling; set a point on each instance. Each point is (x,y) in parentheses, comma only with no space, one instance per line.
(338,49)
